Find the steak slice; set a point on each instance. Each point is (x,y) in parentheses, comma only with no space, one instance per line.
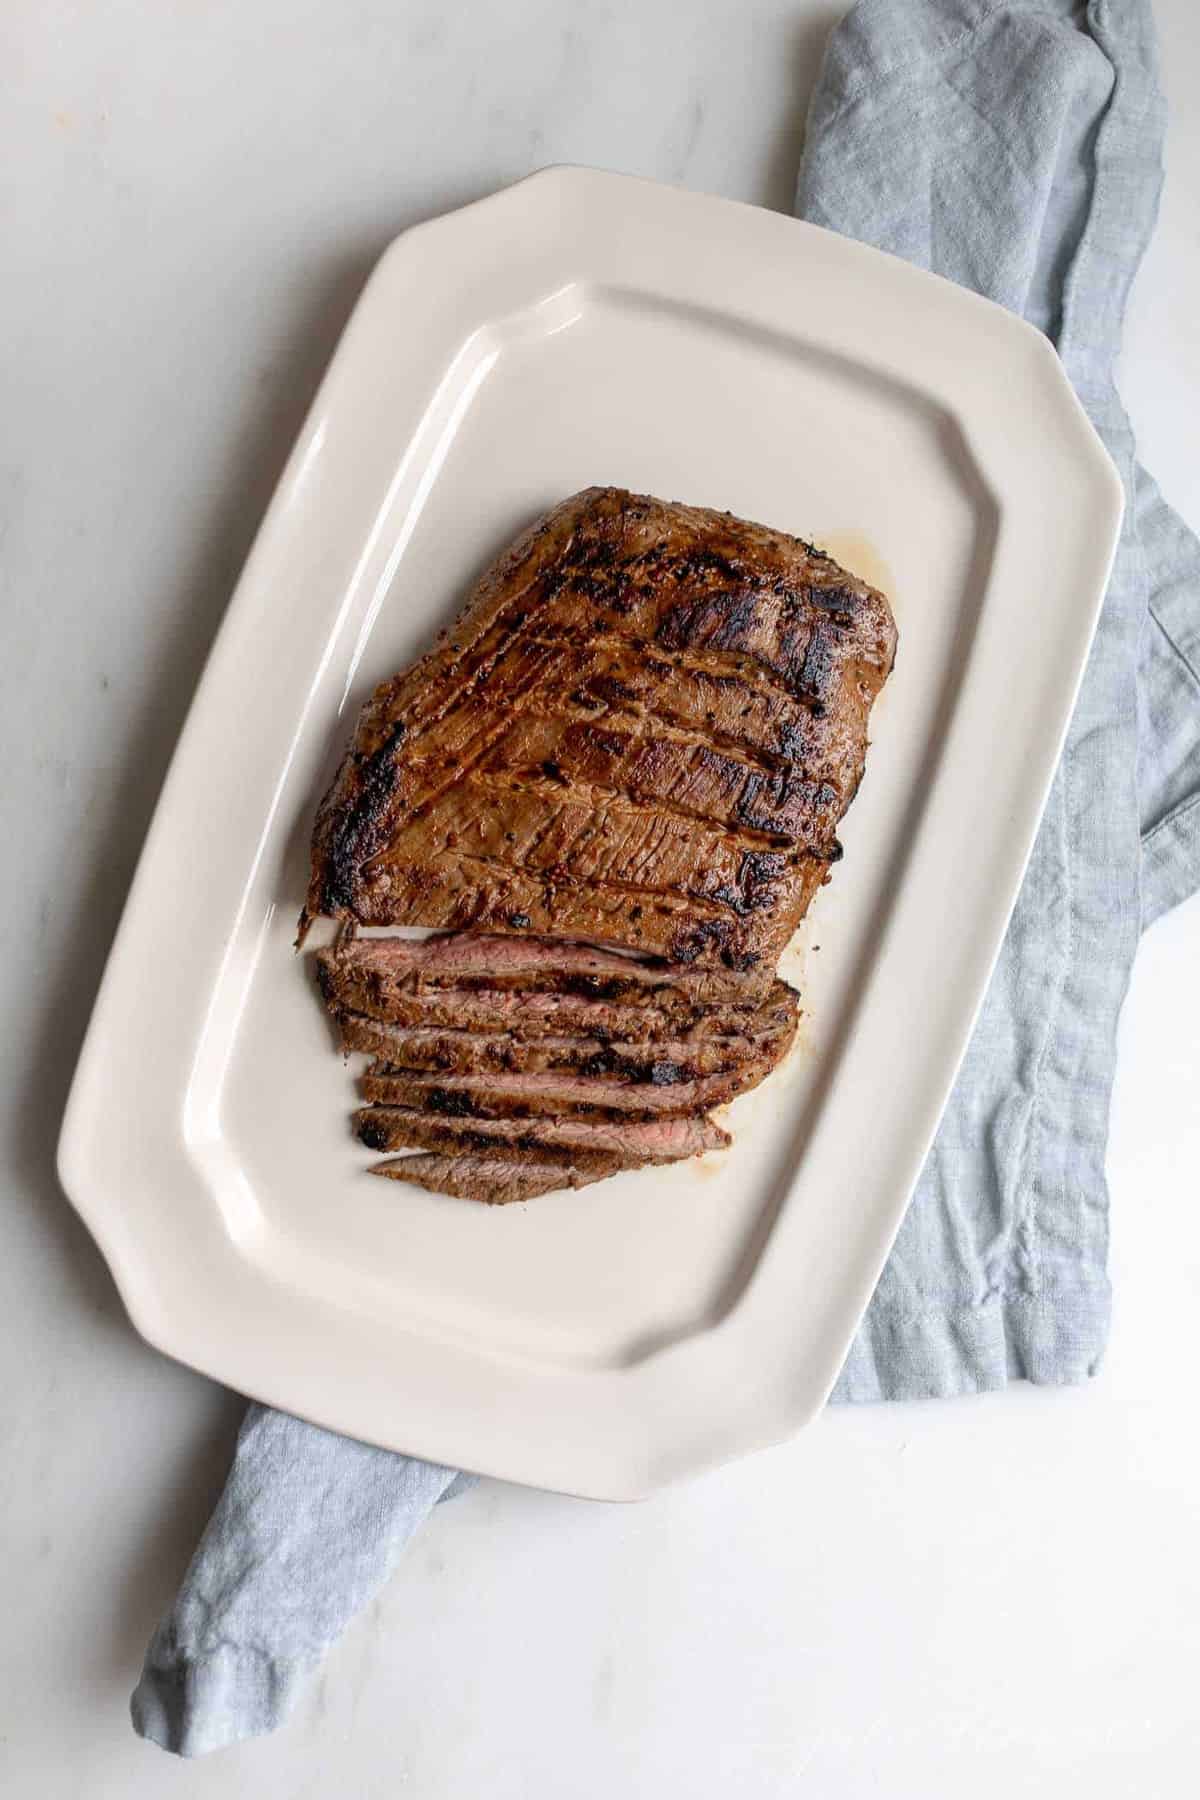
(476,1052)
(631,1143)
(643,730)
(767,1033)
(348,986)
(468,961)
(552,1096)
(498,1177)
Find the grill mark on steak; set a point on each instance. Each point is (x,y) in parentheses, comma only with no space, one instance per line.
(724,866)
(507,625)
(450,775)
(546,777)
(627,805)
(689,903)
(632,1142)
(607,577)
(353,836)
(757,678)
(684,703)
(674,728)
(526,690)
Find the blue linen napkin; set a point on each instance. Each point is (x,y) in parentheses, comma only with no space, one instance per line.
(1016,149)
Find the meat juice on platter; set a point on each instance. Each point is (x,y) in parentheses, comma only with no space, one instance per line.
(612,788)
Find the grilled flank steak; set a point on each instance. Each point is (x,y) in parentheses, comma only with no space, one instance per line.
(612,790)
(643,731)
(490,1087)
(383,979)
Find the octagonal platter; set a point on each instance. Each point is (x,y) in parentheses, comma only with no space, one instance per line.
(587,328)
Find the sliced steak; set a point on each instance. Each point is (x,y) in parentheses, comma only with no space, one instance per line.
(349,987)
(552,1096)
(768,1035)
(643,731)
(631,1143)
(469,961)
(498,1177)
(473,1052)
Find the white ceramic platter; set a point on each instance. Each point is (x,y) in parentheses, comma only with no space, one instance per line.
(578,328)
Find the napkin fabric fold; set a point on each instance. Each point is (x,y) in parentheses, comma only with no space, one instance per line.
(1014,148)
(309,1527)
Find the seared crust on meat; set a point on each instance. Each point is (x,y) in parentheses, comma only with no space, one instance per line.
(643,731)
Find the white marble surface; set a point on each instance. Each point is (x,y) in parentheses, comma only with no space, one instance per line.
(975,1598)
